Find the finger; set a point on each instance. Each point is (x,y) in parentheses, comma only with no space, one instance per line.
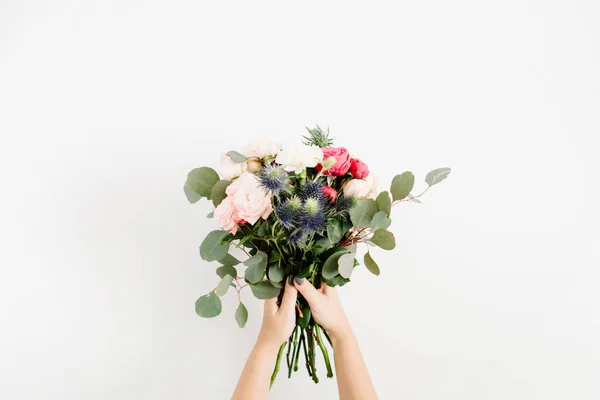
(271,305)
(290,295)
(309,292)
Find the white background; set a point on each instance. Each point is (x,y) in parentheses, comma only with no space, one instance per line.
(492,292)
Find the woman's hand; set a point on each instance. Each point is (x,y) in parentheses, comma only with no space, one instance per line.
(279,322)
(326,308)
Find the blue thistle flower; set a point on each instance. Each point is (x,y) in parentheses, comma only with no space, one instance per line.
(345,204)
(273,178)
(312,217)
(288,212)
(297,237)
(313,190)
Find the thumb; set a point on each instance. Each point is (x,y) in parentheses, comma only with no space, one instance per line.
(312,295)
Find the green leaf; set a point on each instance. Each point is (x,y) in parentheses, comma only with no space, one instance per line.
(201,180)
(414,199)
(210,214)
(217,193)
(241,315)
(321,246)
(330,267)
(212,248)
(306,270)
(274,256)
(380,221)
(363,212)
(208,306)
(305,318)
(264,290)
(257,266)
(226,270)
(236,157)
(337,280)
(275,273)
(229,260)
(384,239)
(346,265)
(190,194)
(436,176)
(223,285)
(334,231)
(384,203)
(371,264)
(402,185)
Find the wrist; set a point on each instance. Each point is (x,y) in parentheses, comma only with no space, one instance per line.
(267,342)
(341,335)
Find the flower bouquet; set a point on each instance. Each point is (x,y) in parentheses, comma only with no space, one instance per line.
(300,210)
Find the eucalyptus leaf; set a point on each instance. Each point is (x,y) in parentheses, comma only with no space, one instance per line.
(414,199)
(337,280)
(257,266)
(305,318)
(210,214)
(264,290)
(334,231)
(226,270)
(363,212)
(321,246)
(241,315)
(380,221)
(274,256)
(212,248)
(208,306)
(402,185)
(201,180)
(223,285)
(217,193)
(191,195)
(229,260)
(384,239)
(384,203)
(236,157)
(346,265)
(371,264)
(330,267)
(275,273)
(437,175)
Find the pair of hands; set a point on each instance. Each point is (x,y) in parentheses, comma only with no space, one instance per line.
(279,322)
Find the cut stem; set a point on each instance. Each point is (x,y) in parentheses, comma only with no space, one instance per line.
(308,367)
(323,350)
(311,346)
(276,370)
(297,349)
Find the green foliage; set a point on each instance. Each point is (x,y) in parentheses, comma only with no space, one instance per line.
(437,175)
(317,137)
(384,203)
(226,270)
(303,320)
(212,247)
(371,264)
(384,239)
(229,260)
(275,273)
(217,193)
(241,315)
(264,290)
(223,285)
(208,306)
(363,212)
(321,246)
(257,266)
(346,265)
(236,157)
(337,280)
(191,195)
(402,185)
(201,180)
(380,221)
(334,231)
(330,268)
(210,214)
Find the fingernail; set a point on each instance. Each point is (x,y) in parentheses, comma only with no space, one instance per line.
(299,281)
(291,280)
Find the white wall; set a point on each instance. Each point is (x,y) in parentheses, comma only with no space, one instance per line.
(492,292)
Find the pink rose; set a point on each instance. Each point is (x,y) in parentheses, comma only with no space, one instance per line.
(358,169)
(330,193)
(226,216)
(342,158)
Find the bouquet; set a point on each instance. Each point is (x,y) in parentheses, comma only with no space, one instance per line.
(296,210)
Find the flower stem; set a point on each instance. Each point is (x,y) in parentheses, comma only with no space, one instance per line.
(308,366)
(297,347)
(276,370)
(311,346)
(323,350)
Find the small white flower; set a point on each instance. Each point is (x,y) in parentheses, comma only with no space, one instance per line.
(363,188)
(298,157)
(262,148)
(229,169)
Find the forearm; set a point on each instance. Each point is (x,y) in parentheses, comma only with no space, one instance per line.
(256,376)
(353,378)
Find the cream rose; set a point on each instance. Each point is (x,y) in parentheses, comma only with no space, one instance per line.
(365,188)
(262,148)
(298,157)
(229,169)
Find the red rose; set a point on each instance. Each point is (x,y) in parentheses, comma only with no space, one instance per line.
(342,158)
(358,169)
(330,193)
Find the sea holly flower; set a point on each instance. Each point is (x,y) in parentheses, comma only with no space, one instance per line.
(289,211)
(312,218)
(312,189)
(273,178)
(295,158)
